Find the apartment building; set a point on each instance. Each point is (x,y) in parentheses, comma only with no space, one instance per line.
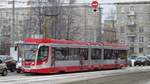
(133,19)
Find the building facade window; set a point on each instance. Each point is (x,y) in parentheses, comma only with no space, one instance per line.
(131,8)
(5,21)
(131,20)
(122,30)
(131,29)
(122,9)
(131,39)
(141,30)
(7,13)
(141,50)
(141,39)
(132,49)
(122,41)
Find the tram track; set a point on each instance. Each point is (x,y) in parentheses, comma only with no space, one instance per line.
(76,78)
(132,78)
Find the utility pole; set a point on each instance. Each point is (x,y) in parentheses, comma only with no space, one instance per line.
(40,21)
(114,29)
(113,25)
(99,30)
(69,23)
(13,23)
(85,23)
(68,28)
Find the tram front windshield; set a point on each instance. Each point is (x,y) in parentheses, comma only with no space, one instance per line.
(28,51)
(29,55)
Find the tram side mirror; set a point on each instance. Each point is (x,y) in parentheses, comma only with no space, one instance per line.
(15,48)
(1,61)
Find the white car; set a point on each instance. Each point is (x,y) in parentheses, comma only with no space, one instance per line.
(3,68)
(131,60)
(19,66)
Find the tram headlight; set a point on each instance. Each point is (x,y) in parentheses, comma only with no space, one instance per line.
(44,62)
(33,67)
(32,63)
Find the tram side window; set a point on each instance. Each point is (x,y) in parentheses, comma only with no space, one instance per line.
(43,52)
(107,54)
(59,53)
(95,54)
(73,54)
(66,53)
(84,53)
(115,54)
(123,54)
(110,54)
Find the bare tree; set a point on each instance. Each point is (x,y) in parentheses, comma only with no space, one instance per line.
(5,41)
(112,17)
(55,19)
(72,27)
(62,20)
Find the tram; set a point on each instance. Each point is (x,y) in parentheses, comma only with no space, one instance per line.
(46,55)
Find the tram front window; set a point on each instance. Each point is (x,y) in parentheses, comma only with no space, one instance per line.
(28,51)
(29,55)
(43,53)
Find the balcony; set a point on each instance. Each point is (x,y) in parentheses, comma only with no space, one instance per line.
(131,34)
(131,24)
(131,44)
(131,13)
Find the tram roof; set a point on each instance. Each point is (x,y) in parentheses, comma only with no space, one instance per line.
(50,40)
(115,45)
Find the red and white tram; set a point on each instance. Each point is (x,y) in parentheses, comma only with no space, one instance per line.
(53,56)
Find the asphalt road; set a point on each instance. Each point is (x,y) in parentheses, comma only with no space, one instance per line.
(129,75)
(132,78)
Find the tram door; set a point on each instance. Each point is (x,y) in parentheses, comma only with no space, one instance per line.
(116,53)
(83,57)
(52,57)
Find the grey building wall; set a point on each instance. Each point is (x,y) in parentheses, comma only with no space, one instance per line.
(76,23)
(133,27)
(6,26)
(21,14)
